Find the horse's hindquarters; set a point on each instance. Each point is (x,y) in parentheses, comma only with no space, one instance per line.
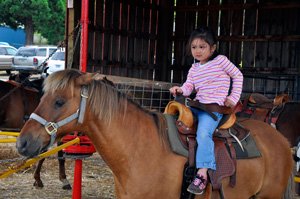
(272,171)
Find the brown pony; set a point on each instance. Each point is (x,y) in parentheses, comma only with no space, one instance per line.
(17,102)
(133,141)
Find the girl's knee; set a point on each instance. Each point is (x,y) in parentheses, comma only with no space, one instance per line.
(204,135)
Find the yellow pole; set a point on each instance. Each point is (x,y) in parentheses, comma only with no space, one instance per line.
(8,140)
(30,162)
(16,134)
(297,179)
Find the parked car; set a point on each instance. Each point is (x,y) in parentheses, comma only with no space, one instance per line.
(4,43)
(6,54)
(32,58)
(56,62)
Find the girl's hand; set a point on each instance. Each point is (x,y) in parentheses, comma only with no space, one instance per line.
(175,90)
(229,103)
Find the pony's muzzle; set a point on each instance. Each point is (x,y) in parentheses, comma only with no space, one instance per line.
(27,146)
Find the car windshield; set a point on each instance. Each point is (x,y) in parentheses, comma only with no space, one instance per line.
(11,51)
(51,50)
(59,56)
(26,52)
(41,52)
(2,51)
(7,50)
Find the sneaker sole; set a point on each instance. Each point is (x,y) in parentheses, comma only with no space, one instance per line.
(194,192)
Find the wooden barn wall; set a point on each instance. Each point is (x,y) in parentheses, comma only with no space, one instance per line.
(147,39)
(261,37)
(122,37)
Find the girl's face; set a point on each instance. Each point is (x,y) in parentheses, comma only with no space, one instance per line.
(201,50)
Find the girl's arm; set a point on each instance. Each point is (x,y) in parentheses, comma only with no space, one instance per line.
(237,82)
(188,86)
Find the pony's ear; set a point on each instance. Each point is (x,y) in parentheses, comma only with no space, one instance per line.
(86,78)
(107,81)
(97,76)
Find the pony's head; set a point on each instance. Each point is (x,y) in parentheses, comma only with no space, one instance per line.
(70,98)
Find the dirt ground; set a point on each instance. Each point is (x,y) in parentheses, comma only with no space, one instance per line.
(97,180)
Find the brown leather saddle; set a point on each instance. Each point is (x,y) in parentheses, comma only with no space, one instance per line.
(224,136)
(259,107)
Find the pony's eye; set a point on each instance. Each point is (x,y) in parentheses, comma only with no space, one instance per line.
(59,103)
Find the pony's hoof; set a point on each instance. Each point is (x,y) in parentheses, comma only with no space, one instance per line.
(38,184)
(66,184)
(67,187)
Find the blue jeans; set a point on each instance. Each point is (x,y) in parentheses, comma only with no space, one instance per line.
(205,155)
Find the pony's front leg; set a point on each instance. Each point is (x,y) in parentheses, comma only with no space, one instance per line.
(37,175)
(62,171)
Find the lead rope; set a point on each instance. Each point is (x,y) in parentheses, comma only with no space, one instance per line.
(79,27)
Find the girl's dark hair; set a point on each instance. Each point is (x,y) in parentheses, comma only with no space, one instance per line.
(204,33)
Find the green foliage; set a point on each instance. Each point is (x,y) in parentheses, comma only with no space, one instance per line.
(45,16)
(54,27)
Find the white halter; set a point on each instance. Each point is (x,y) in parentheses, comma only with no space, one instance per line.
(51,127)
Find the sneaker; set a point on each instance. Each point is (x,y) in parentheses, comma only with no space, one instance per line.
(198,185)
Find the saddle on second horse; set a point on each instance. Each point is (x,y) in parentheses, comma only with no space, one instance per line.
(259,107)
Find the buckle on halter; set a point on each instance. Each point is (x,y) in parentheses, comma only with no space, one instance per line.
(84,92)
(50,128)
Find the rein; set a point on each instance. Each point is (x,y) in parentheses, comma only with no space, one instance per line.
(15,88)
(52,127)
(10,92)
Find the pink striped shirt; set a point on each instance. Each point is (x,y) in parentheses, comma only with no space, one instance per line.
(212,81)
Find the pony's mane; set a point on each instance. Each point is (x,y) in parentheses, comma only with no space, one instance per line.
(105,108)
(61,80)
(114,103)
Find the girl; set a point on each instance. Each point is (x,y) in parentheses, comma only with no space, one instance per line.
(210,77)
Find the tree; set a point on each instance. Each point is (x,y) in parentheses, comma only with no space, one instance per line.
(44,16)
(54,28)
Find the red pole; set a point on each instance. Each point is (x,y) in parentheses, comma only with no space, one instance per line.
(84,34)
(76,194)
